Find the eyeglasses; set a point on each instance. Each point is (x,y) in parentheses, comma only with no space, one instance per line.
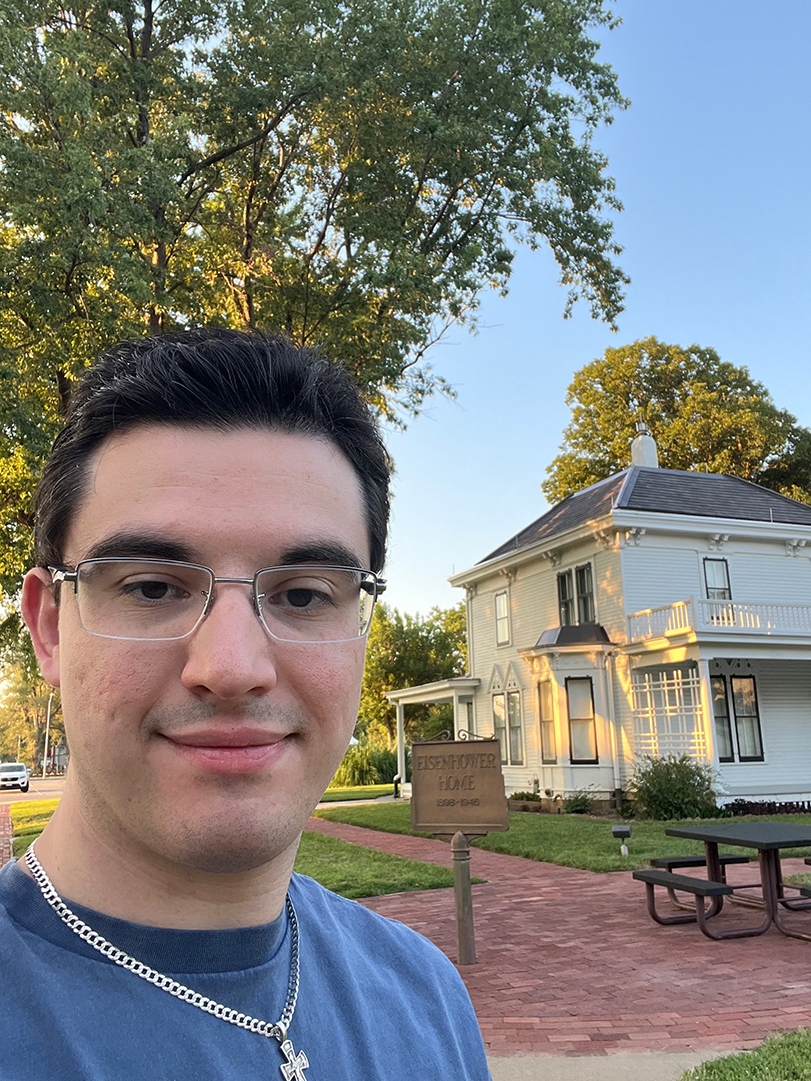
(163,599)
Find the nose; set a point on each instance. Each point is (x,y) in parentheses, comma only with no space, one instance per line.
(230,656)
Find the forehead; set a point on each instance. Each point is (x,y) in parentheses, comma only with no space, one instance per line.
(241,495)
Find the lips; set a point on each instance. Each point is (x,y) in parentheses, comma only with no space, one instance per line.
(229,750)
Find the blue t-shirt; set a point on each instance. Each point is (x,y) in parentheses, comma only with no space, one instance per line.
(377,1002)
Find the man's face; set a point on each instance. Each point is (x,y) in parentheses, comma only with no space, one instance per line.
(210,751)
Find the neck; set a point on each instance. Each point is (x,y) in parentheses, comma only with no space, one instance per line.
(95,870)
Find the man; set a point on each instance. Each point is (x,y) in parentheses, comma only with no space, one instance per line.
(210,530)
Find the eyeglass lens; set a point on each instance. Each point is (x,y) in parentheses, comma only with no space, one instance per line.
(148,601)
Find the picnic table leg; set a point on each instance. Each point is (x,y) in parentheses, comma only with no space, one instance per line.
(740,932)
(770,866)
(665,920)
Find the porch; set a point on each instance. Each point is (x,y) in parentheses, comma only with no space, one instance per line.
(459,690)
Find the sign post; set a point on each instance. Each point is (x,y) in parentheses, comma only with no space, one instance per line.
(457,790)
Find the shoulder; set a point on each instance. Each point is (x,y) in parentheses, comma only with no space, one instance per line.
(354,929)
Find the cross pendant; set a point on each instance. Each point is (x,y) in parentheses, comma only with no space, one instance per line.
(293,1069)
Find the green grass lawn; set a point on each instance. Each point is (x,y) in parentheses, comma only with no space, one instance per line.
(354,871)
(780,1058)
(351,870)
(567,840)
(367,791)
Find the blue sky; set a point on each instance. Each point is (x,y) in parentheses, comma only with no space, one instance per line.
(712,163)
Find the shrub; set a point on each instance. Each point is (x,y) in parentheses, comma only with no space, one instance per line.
(527,797)
(580,802)
(384,762)
(674,786)
(356,768)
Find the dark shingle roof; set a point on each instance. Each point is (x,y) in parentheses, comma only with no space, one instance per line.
(593,502)
(714,495)
(664,491)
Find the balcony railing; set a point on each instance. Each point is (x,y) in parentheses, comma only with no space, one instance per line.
(708,616)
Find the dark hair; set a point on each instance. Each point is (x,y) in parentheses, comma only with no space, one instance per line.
(217,379)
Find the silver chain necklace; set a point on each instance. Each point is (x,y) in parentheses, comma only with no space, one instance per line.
(292,1070)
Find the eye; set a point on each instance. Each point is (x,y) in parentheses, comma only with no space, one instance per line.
(302,598)
(153,589)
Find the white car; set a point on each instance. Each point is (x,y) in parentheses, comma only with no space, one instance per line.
(13,775)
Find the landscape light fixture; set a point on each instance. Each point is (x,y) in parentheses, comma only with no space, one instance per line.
(622,833)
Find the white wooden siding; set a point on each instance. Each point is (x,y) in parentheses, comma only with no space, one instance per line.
(784,702)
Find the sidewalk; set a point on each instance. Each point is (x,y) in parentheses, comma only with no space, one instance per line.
(570,964)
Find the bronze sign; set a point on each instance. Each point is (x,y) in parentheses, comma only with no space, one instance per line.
(457,786)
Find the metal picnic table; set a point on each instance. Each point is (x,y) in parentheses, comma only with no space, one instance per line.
(768,838)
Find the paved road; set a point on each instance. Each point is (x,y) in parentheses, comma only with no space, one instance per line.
(47,788)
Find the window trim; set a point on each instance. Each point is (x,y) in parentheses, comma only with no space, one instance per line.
(550,721)
(503,747)
(582,761)
(569,601)
(728,718)
(506,747)
(505,619)
(515,696)
(707,587)
(575,598)
(747,758)
(579,597)
(732,720)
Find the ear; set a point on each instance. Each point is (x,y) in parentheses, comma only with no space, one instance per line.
(41,615)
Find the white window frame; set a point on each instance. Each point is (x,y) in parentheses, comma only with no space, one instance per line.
(503,635)
(590,721)
(714,592)
(575,600)
(504,728)
(549,743)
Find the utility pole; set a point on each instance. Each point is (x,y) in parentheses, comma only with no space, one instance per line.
(47,734)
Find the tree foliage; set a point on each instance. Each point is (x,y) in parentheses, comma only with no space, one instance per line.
(24,716)
(406,651)
(704,413)
(353,174)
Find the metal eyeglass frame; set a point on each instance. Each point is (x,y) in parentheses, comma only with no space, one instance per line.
(60,575)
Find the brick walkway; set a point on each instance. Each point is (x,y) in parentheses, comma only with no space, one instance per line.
(5,835)
(570,962)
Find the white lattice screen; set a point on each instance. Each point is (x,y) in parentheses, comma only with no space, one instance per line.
(667,713)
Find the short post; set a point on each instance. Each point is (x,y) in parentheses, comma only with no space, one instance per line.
(465,935)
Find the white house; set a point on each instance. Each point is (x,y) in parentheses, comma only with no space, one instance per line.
(657,612)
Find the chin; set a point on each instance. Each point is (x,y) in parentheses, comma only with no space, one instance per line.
(233,847)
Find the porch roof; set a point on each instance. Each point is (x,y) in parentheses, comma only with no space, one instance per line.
(443,690)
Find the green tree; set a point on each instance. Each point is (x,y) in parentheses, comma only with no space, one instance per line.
(24,697)
(704,413)
(406,651)
(24,716)
(354,174)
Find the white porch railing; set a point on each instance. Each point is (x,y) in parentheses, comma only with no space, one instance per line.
(661,622)
(736,616)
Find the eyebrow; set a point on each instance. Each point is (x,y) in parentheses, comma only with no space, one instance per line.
(158,546)
(141,545)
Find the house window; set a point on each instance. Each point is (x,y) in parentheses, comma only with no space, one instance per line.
(747,721)
(716,579)
(549,751)
(582,733)
(502,620)
(585,594)
(737,735)
(723,729)
(507,727)
(566,599)
(514,724)
(576,596)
